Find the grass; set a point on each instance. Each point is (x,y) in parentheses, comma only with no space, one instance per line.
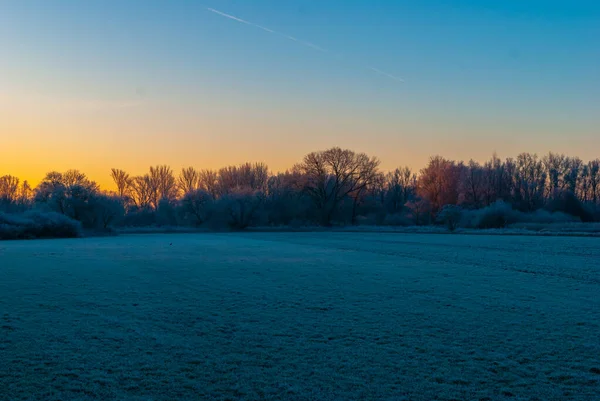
(300,316)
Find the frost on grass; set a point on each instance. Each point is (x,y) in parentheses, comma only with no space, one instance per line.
(300,316)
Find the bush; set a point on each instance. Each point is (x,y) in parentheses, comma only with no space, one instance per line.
(594,211)
(196,207)
(166,213)
(501,214)
(497,215)
(450,215)
(107,211)
(566,202)
(239,209)
(139,217)
(35,224)
(419,211)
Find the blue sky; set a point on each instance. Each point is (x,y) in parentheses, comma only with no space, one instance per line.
(170,82)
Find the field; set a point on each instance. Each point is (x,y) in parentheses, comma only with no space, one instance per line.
(300,316)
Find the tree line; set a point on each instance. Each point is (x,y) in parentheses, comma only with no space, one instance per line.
(334,186)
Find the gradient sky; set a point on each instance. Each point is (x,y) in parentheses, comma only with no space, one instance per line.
(99,84)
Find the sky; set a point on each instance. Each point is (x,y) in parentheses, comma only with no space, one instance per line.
(97,84)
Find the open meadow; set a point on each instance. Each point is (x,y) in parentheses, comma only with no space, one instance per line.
(300,316)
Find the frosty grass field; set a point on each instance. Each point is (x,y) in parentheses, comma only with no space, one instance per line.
(300,316)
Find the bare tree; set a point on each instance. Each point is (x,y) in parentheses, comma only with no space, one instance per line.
(196,203)
(472,183)
(9,188)
(247,175)
(400,185)
(420,210)
(189,180)
(554,165)
(25,193)
(108,208)
(67,193)
(594,180)
(122,180)
(497,180)
(162,184)
(241,206)
(438,182)
(209,181)
(530,178)
(332,175)
(142,191)
(71,178)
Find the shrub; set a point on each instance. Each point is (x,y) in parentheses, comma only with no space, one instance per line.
(166,214)
(139,217)
(36,224)
(496,215)
(419,211)
(196,206)
(450,215)
(566,202)
(107,211)
(239,208)
(501,214)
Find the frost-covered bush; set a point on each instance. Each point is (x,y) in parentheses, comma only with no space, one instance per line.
(238,209)
(36,224)
(450,215)
(107,211)
(196,206)
(545,217)
(166,213)
(139,217)
(497,215)
(566,202)
(501,214)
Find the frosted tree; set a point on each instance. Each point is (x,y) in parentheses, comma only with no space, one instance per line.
(122,180)
(334,174)
(188,180)
(439,182)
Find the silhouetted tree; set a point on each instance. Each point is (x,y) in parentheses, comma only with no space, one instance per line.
(108,210)
(123,182)
(240,206)
(142,191)
(209,181)
(594,180)
(196,204)
(400,187)
(9,188)
(189,180)
(472,185)
(332,175)
(252,176)
(530,179)
(162,184)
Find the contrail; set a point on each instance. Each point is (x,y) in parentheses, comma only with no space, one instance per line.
(307,44)
(395,78)
(319,48)
(240,20)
